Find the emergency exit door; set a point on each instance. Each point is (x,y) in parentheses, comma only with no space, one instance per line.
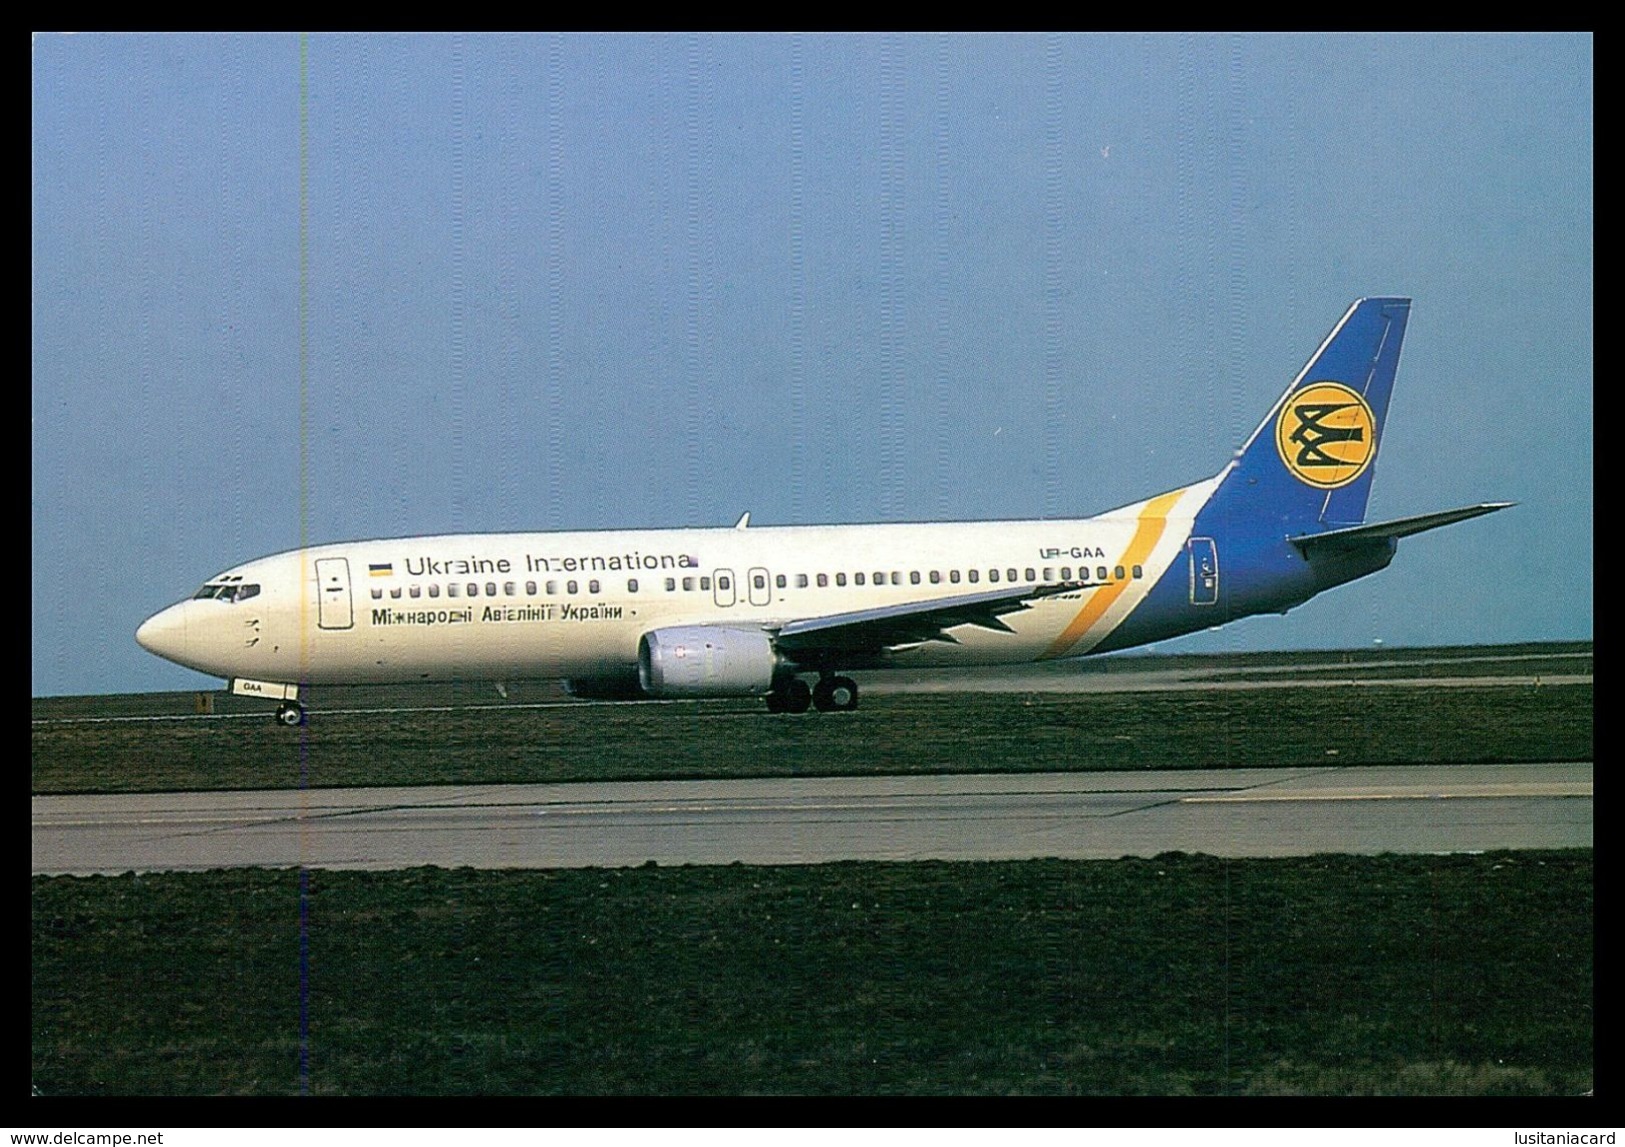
(759,588)
(724,593)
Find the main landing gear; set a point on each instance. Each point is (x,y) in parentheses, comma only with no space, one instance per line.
(835,695)
(831,695)
(291,714)
(792,696)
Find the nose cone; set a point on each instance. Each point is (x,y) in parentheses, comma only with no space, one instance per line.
(164,633)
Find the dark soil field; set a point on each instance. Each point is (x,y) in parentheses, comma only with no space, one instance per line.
(1174,976)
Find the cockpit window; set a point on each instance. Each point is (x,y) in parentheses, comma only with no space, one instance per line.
(227,592)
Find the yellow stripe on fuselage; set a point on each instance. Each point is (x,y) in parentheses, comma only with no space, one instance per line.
(1153,521)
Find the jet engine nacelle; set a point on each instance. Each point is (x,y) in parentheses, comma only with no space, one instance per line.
(706,661)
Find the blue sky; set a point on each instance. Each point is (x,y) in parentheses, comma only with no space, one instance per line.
(605,281)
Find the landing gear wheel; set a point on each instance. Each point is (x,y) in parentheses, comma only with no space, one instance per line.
(797,696)
(291,715)
(794,696)
(835,695)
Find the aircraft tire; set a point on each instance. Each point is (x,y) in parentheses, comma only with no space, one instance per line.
(835,695)
(775,702)
(797,696)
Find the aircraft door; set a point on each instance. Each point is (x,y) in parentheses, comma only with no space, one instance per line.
(333,609)
(723,590)
(1204,572)
(759,587)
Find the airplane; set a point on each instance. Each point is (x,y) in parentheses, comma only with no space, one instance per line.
(755,611)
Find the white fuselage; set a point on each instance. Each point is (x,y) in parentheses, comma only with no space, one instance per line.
(515,606)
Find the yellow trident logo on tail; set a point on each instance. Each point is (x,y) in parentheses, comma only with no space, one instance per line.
(1326,435)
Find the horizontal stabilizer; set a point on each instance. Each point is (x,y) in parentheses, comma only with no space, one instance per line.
(1354,536)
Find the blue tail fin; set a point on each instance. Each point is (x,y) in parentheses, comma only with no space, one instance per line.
(1309,466)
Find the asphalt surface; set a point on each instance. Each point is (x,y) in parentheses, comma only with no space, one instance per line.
(1222,812)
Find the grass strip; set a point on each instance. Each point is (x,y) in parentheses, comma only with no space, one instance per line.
(891,734)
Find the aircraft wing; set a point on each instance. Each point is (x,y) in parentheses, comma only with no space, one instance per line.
(1354,536)
(870,631)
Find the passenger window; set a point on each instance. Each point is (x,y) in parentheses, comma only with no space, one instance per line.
(705,583)
(1100,573)
(1138,572)
(936,577)
(914,577)
(530,589)
(414,591)
(840,579)
(1118,573)
(953,576)
(896,577)
(782,581)
(1010,575)
(992,575)
(490,589)
(688,584)
(1066,573)
(724,583)
(451,589)
(434,589)
(507,588)
(972,575)
(631,585)
(758,581)
(395,591)
(378,594)
(823,581)
(1032,574)
(592,586)
(552,588)
(570,586)
(857,579)
(671,585)
(473,589)
(1049,573)
(801,581)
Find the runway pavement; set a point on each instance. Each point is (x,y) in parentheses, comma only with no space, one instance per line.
(1239,813)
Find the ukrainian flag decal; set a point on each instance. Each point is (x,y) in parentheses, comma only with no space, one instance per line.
(381,569)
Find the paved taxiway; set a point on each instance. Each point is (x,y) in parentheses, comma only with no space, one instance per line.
(1231,812)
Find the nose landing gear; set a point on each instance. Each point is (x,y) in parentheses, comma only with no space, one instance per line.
(291,714)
